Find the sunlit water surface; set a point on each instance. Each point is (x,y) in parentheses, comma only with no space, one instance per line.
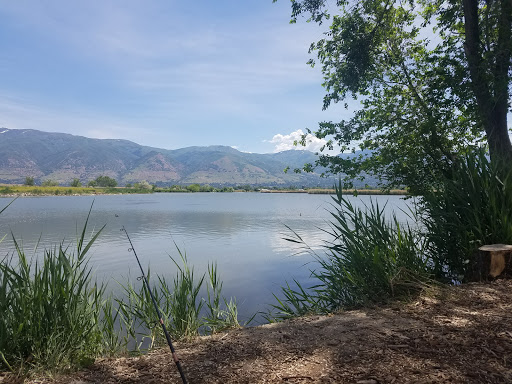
(242,232)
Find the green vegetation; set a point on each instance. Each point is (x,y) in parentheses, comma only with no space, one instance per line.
(6,190)
(369,259)
(105,181)
(143,185)
(204,188)
(50,309)
(425,106)
(372,259)
(355,192)
(56,317)
(49,183)
(29,181)
(76,183)
(472,207)
(45,191)
(423,99)
(180,305)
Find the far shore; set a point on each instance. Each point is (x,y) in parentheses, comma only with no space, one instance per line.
(13,190)
(333,191)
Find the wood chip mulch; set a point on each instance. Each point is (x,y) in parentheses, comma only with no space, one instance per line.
(457,335)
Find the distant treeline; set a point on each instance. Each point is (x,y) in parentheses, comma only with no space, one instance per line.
(48,189)
(358,191)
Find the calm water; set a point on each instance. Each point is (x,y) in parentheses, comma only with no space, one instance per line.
(242,232)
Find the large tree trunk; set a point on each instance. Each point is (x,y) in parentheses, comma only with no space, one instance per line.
(498,138)
(491,85)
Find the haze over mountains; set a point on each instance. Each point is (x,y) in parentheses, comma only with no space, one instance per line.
(62,157)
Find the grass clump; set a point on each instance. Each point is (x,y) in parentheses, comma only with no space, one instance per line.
(219,317)
(369,259)
(50,308)
(185,313)
(55,317)
(471,207)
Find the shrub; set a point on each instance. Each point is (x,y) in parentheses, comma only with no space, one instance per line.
(50,183)
(206,188)
(193,188)
(76,183)
(105,181)
(6,190)
(29,181)
(144,185)
(472,207)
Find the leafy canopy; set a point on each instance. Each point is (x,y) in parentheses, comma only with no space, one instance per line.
(105,181)
(412,67)
(29,181)
(76,183)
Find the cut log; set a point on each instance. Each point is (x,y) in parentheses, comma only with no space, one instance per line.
(497,258)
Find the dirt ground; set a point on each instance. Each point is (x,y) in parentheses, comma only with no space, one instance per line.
(457,335)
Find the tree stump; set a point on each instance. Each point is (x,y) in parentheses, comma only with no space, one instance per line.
(497,258)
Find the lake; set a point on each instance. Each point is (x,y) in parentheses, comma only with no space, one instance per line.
(242,232)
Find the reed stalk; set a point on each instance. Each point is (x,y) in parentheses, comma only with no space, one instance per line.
(49,307)
(368,259)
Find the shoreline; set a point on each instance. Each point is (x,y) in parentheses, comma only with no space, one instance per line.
(69,191)
(345,191)
(433,338)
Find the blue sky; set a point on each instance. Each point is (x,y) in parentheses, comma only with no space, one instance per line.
(168,74)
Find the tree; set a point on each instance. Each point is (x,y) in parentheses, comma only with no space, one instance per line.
(29,181)
(105,181)
(193,188)
(50,183)
(424,100)
(143,185)
(76,183)
(206,188)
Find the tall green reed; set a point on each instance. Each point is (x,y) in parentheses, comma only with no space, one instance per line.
(186,314)
(3,209)
(49,307)
(54,316)
(219,317)
(472,207)
(369,259)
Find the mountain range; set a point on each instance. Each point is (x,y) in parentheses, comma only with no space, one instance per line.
(62,157)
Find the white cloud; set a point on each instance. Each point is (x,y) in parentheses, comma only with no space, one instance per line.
(286,142)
